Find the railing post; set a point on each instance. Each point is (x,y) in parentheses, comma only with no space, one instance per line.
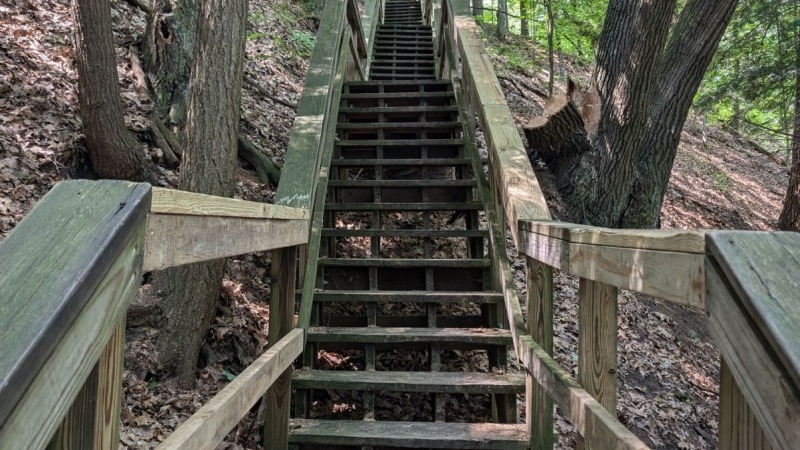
(539,405)
(281,311)
(597,344)
(93,421)
(738,427)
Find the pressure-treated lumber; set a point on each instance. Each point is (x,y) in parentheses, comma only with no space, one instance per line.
(590,419)
(751,304)
(173,240)
(538,404)
(175,202)
(597,342)
(442,435)
(674,276)
(738,427)
(209,426)
(395,335)
(385,381)
(408,296)
(52,389)
(51,265)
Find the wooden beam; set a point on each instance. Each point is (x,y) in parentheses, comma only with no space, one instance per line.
(173,240)
(760,374)
(50,265)
(681,241)
(209,425)
(174,202)
(93,420)
(590,419)
(674,276)
(53,388)
(539,405)
(738,427)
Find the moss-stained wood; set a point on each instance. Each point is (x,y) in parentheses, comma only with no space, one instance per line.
(597,426)
(757,271)
(174,240)
(410,434)
(674,276)
(48,392)
(175,202)
(51,264)
(209,426)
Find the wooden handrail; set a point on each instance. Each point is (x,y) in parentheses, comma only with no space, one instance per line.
(210,424)
(68,271)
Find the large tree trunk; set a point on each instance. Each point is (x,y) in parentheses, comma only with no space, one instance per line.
(644,88)
(790,215)
(524,29)
(112,149)
(502,18)
(209,160)
(168,51)
(477,10)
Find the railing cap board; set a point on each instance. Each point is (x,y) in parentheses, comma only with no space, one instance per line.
(763,269)
(171,201)
(49,266)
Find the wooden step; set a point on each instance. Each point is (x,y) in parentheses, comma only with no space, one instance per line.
(398,142)
(401,183)
(412,94)
(405,335)
(398,109)
(404,262)
(408,297)
(445,162)
(392,381)
(439,435)
(386,76)
(395,61)
(430,206)
(398,83)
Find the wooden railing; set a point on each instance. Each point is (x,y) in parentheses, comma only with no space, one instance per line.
(68,272)
(748,283)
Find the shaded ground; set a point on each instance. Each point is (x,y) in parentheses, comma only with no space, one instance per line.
(668,367)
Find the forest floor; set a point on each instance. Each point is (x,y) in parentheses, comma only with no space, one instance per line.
(668,367)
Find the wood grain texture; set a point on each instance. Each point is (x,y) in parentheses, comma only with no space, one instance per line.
(398,381)
(764,271)
(209,426)
(539,405)
(174,240)
(93,421)
(50,265)
(53,388)
(738,427)
(762,378)
(590,419)
(597,342)
(175,202)
(674,276)
(682,241)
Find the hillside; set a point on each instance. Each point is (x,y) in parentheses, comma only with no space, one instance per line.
(668,368)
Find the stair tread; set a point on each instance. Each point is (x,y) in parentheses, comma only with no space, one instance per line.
(397,109)
(410,206)
(376,83)
(387,335)
(380,125)
(405,262)
(397,142)
(401,183)
(379,95)
(402,162)
(443,435)
(396,381)
(408,296)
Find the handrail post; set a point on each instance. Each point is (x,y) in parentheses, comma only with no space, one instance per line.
(539,405)
(597,344)
(93,420)
(281,311)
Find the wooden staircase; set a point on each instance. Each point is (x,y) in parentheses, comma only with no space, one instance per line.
(406,312)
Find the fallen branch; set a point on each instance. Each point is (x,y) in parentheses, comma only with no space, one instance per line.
(263,91)
(528,87)
(160,133)
(266,169)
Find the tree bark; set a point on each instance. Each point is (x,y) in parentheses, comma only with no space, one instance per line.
(550,29)
(168,50)
(790,215)
(207,166)
(477,10)
(112,149)
(524,29)
(645,87)
(502,18)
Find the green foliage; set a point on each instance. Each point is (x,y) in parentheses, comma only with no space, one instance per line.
(303,42)
(722,182)
(253,36)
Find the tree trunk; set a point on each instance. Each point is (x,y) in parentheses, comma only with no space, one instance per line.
(524,30)
(209,160)
(168,50)
(550,28)
(502,18)
(112,149)
(790,215)
(477,10)
(645,88)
